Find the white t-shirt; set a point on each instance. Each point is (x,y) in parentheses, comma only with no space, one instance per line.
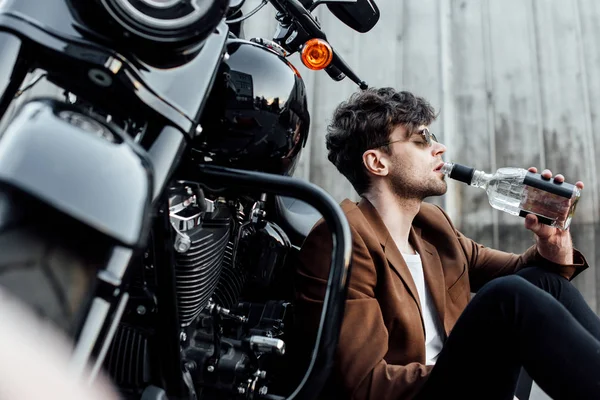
(433,328)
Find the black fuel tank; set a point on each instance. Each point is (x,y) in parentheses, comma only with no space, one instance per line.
(256,117)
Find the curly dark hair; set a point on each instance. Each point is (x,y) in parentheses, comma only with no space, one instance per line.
(365,121)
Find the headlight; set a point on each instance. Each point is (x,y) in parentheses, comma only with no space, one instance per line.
(171,22)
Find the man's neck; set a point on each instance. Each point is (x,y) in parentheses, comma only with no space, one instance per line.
(397,215)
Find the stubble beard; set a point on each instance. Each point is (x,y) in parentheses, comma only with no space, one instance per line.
(405,186)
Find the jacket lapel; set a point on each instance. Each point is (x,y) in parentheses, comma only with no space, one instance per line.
(391,251)
(432,265)
(398,264)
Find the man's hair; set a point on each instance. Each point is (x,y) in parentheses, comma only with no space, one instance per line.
(365,121)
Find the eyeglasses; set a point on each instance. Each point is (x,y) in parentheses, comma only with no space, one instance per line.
(429,138)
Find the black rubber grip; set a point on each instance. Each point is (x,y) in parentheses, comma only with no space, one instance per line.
(462,173)
(549,185)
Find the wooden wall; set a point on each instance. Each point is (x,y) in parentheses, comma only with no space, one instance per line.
(517,83)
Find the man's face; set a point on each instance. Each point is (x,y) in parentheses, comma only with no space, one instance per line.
(414,170)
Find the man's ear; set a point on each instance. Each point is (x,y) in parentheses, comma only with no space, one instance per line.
(376,162)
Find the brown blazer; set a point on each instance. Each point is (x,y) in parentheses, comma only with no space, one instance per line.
(381,352)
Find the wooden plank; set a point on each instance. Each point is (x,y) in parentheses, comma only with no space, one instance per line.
(588,31)
(589,17)
(421,52)
(565,116)
(470,143)
(399,12)
(448,119)
(515,97)
(378,47)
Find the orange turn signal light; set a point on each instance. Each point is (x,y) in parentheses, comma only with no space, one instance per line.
(316,54)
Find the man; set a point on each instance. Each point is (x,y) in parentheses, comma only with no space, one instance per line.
(410,328)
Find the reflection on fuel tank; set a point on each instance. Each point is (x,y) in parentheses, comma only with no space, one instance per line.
(256,117)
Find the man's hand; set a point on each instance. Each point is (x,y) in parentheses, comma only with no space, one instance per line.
(552,243)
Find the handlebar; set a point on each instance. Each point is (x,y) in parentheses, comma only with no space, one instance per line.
(291,11)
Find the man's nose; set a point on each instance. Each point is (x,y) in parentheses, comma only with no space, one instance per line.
(438,148)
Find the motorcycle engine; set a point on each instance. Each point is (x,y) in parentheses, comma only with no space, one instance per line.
(203,237)
(232,336)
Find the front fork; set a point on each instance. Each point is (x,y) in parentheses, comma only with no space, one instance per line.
(103,316)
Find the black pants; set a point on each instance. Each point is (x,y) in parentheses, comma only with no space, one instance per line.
(535,319)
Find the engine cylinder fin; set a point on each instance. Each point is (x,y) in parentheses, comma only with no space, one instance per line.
(127,358)
(230,287)
(198,270)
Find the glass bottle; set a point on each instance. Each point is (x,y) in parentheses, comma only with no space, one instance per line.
(520,192)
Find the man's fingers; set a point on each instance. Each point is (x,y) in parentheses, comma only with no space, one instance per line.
(547,174)
(559,178)
(531,222)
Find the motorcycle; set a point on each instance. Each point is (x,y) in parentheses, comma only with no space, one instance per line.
(147,203)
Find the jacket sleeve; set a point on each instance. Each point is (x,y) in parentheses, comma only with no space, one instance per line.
(486,264)
(359,366)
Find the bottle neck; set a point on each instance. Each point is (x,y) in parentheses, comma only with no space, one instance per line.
(468,175)
(481,179)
